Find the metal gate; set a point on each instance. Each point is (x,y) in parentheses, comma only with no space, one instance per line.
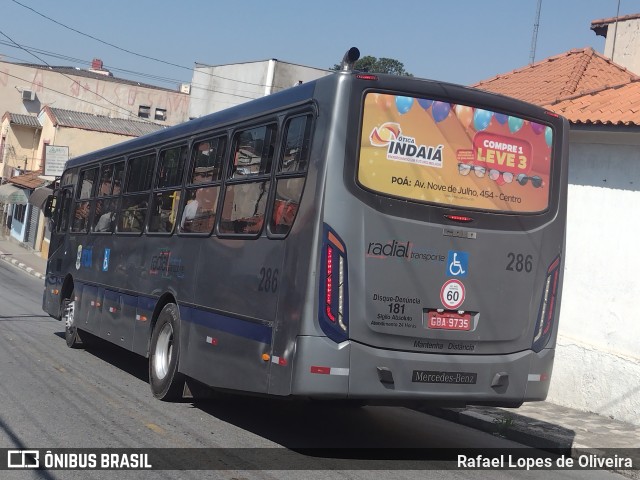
(32,227)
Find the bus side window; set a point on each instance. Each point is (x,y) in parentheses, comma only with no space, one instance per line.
(244,207)
(164,211)
(86,191)
(104,215)
(205,176)
(291,174)
(106,205)
(166,198)
(81,212)
(134,204)
(106,176)
(206,163)
(118,178)
(133,213)
(247,190)
(285,207)
(253,151)
(65,210)
(199,213)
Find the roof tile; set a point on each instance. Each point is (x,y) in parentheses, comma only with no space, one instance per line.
(582,85)
(23,120)
(98,123)
(28,180)
(615,106)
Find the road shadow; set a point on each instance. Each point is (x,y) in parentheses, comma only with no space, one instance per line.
(321,428)
(132,363)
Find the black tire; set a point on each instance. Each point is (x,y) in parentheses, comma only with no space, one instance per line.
(166,382)
(71,333)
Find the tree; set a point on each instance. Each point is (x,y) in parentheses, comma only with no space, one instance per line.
(378,65)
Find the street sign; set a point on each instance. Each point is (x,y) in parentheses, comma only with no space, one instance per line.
(55,159)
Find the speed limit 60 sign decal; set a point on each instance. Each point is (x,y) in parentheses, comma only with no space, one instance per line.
(452,294)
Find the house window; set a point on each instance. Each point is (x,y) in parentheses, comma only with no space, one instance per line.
(144,111)
(19,213)
(161,114)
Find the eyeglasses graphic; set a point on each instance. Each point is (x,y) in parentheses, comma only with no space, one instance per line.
(495,175)
(536,181)
(465,168)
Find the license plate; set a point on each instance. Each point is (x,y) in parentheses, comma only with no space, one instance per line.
(448,320)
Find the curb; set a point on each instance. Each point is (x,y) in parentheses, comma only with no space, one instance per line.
(7,258)
(522,429)
(505,424)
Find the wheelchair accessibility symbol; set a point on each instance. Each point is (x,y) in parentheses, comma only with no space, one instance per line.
(457,264)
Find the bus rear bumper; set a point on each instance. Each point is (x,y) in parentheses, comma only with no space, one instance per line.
(353,370)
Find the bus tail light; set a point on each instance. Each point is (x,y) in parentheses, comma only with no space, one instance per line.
(333,299)
(547,310)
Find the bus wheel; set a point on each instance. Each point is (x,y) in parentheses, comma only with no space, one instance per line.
(165,380)
(71,334)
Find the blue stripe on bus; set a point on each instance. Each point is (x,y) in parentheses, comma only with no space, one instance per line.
(234,326)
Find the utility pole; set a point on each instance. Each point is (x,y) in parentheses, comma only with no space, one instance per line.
(534,39)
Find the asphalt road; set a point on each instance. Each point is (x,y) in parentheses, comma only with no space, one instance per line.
(55,397)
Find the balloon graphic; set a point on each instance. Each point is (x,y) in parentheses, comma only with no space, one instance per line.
(425,103)
(440,111)
(481,119)
(548,135)
(515,124)
(384,101)
(464,114)
(537,128)
(501,118)
(403,104)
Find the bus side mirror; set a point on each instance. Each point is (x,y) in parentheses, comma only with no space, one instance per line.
(49,206)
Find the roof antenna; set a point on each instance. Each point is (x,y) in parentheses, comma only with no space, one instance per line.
(349,59)
(615,32)
(534,39)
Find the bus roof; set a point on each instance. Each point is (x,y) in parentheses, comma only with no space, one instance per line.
(289,96)
(293,95)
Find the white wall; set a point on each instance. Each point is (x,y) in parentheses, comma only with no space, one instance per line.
(597,365)
(84,94)
(215,88)
(624,50)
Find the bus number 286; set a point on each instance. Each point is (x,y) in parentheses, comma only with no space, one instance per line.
(268,280)
(519,262)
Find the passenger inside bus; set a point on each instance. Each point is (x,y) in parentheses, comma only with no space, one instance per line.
(105,222)
(190,211)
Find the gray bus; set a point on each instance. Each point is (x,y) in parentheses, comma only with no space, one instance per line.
(362,237)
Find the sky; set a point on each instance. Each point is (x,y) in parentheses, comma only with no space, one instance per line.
(158,42)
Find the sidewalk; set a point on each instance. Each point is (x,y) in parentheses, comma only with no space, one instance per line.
(548,426)
(13,252)
(538,424)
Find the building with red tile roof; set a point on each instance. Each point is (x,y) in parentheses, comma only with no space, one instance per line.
(601,100)
(582,85)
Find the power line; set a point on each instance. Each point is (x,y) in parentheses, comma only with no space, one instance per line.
(67,76)
(78,61)
(116,69)
(71,96)
(130,51)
